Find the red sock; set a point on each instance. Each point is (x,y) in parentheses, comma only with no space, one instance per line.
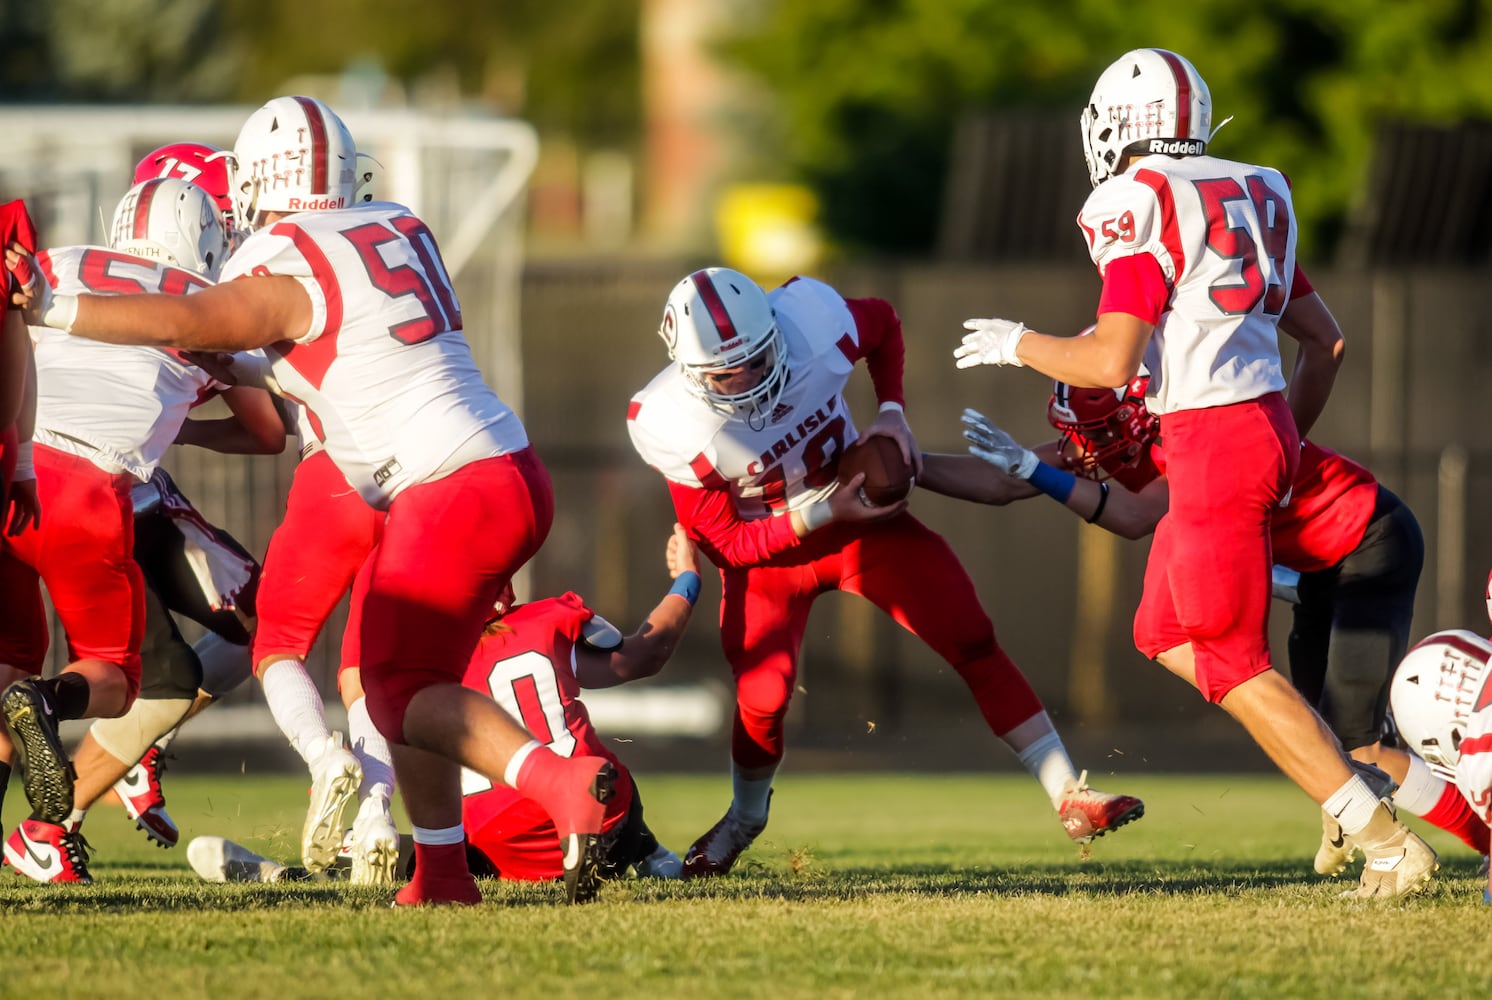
(440,861)
(1454,815)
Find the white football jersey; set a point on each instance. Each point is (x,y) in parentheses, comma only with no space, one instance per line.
(1224,234)
(384,369)
(791,461)
(1474,769)
(119,407)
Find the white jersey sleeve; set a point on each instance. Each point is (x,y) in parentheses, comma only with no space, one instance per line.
(1224,236)
(119,407)
(383,369)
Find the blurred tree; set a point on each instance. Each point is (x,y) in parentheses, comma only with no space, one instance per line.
(868,90)
(568,67)
(134,50)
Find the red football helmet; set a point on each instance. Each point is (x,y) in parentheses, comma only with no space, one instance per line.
(195,162)
(1104,430)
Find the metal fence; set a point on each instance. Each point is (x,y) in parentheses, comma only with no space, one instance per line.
(1408,404)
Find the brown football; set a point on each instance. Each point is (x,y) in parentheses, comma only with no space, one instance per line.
(887,477)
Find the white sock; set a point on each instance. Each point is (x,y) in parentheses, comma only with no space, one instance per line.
(515,763)
(1046,758)
(1421,789)
(296,705)
(438,838)
(750,797)
(1352,805)
(371,750)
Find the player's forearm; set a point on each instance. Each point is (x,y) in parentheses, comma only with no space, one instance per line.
(1108,357)
(15,361)
(1310,387)
(228,436)
(965,477)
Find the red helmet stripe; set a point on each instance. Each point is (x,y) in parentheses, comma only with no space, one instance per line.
(1183,93)
(715,305)
(320,170)
(142,208)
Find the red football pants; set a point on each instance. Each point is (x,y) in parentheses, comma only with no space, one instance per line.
(449,547)
(902,567)
(84,552)
(1207,581)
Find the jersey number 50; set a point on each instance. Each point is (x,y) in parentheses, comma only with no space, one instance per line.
(428,285)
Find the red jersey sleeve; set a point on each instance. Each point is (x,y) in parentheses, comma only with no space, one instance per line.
(1300,285)
(1135,285)
(710,518)
(882,347)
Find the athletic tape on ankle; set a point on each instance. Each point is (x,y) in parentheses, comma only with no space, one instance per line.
(128,737)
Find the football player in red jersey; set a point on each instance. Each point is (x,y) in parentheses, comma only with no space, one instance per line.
(19,506)
(363,326)
(1197,257)
(534,659)
(1348,554)
(747,425)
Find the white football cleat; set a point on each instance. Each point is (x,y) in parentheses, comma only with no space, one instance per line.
(334,782)
(373,844)
(218,860)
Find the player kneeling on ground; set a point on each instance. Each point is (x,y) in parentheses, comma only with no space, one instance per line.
(533,660)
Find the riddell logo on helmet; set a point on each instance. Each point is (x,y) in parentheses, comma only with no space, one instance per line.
(315,204)
(1176,147)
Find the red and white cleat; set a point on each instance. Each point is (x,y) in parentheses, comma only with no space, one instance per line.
(574,793)
(716,852)
(1087,814)
(140,793)
(46,852)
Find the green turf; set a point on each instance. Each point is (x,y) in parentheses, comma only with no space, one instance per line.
(921,886)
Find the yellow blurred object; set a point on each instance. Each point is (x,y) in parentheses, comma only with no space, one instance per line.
(769,231)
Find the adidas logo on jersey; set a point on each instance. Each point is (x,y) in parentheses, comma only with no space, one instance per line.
(1176,147)
(315,204)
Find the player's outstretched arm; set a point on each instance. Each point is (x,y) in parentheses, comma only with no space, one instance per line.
(255,428)
(1322,348)
(1110,356)
(237,316)
(964,477)
(644,652)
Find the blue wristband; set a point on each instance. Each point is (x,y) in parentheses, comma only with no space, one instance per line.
(1055,483)
(686,585)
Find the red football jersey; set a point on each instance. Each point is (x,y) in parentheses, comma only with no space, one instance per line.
(529,669)
(1329,507)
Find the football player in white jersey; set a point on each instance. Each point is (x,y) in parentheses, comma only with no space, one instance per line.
(1442,702)
(362,325)
(105,416)
(747,426)
(1197,256)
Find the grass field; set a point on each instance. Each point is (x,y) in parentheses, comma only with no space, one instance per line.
(863,886)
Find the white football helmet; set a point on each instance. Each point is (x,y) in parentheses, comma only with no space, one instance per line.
(292,155)
(369,180)
(718,319)
(1147,101)
(172,221)
(1436,688)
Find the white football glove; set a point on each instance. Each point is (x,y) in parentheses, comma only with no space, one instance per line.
(998,448)
(992,342)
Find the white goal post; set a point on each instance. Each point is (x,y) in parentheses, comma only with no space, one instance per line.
(464,176)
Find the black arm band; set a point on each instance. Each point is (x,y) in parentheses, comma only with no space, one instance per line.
(1103,498)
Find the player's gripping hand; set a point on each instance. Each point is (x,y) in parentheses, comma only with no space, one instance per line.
(995,446)
(33,294)
(682,554)
(991,342)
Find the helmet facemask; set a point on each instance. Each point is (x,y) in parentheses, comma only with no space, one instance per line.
(1104,431)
